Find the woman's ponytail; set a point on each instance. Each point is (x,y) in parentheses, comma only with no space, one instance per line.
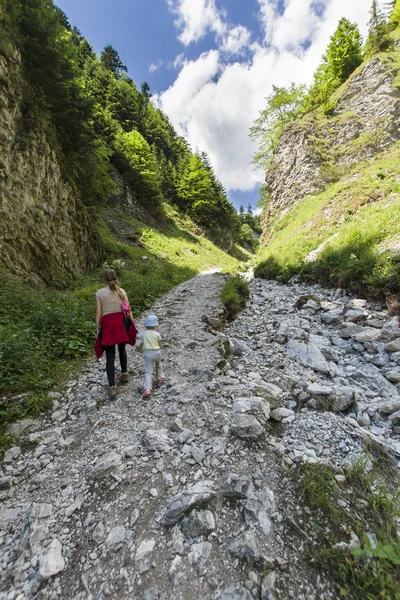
(110,278)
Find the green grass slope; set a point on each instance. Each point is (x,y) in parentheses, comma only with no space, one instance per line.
(44,333)
(348,235)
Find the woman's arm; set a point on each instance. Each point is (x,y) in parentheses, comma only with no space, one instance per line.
(130,315)
(98,315)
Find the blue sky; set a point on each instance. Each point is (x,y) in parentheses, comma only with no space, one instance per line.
(211,64)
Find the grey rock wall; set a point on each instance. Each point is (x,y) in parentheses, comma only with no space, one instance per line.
(45,232)
(319,149)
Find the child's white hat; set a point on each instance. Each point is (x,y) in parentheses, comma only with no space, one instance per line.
(151,321)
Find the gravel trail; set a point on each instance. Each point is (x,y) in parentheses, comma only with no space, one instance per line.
(191,495)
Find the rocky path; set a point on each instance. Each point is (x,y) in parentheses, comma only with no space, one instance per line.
(191,495)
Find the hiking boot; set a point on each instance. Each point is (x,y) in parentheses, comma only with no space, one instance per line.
(161,380)
(146,393)
(113,392)
(125,377)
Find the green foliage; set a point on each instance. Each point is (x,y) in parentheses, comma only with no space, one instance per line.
(287,105)
(350,226)
(246,237)
(234,295)
(93,115)
(110,59)
(284,106)
(371,570)
(43,333)
(342,57)
(203,197)
(144,176)
(395,14)
(378,29)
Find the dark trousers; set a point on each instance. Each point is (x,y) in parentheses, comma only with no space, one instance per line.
(110,361)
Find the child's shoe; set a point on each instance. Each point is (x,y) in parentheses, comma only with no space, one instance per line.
(125,377)
(146,393)
(113,392)
(161,380)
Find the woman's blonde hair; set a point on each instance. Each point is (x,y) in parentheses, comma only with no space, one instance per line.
(110,277)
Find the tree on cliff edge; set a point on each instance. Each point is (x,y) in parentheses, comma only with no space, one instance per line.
(284,105)
(343,55)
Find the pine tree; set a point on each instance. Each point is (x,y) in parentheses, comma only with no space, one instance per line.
(378,30)
(249,209)
(343,55)
(241,210)
(110,59)
(395,14)
(145,89)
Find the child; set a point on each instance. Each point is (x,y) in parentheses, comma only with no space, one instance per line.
(151,341)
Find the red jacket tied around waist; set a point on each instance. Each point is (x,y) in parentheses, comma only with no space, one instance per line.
(115,329)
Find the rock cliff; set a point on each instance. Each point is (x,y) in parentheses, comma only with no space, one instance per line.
(45,232)
(320,149)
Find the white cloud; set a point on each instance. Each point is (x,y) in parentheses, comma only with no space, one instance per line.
(214,102)
(178,100)
(154,66)
(178,62)
(195,18)
(235,39)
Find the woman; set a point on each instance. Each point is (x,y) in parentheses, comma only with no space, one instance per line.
(114,325)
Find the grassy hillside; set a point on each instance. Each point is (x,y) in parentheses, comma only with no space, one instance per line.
(348,235)
(45,333)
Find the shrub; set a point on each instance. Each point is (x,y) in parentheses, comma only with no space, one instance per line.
(370,570)
(234,295)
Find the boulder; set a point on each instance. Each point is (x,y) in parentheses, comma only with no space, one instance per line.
(181,503)
(246,548)
(258,508)
(367,334)
(199,522)
(350,331)
(246,427)
(309,355)
(258,407)
(371,378)
(157,440)
(316,389)
(52,562)
(235,592)
(393,375)
(11,454)
(393,346)
(199,554)
(341,398)
(235,486)
(268,586)
(269,391)
(332,316)
(116,536)
(144,548)
(281,413)
(106,464)
(389,407)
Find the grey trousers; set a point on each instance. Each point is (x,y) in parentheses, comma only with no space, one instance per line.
(151,358)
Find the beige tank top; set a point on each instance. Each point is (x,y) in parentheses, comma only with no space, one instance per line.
(110,301)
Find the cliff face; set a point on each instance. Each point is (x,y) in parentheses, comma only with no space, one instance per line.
(45,232)
(320,149)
